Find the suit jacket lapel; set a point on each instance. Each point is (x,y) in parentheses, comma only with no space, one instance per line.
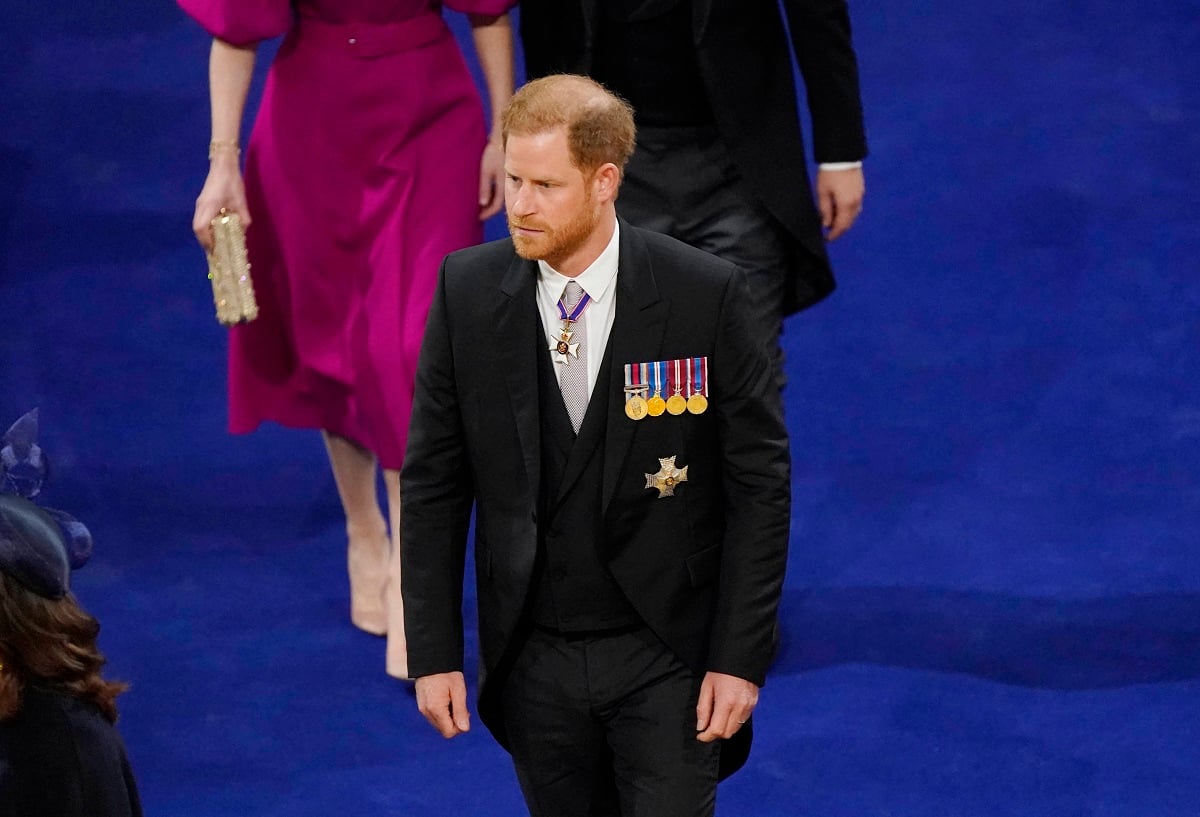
(637,336)
(517,322)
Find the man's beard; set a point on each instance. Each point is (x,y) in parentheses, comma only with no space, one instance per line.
(555,245)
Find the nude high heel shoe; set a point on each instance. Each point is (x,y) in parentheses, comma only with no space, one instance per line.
(366,562)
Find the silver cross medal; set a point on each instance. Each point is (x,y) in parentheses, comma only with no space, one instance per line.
(668,477)
(563,349)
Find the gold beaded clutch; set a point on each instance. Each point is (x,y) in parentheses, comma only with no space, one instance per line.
(229,271)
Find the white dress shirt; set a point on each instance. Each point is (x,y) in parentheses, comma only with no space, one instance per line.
(599,282)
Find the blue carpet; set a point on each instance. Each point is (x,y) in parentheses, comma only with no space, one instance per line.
(993,600)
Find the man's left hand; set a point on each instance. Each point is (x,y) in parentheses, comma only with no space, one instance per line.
(726,702)
(840,199)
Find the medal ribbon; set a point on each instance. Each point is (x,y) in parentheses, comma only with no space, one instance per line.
(632,381)
(700,383)
(656,376)
(576,312)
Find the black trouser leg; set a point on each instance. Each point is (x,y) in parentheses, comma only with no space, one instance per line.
(605,726)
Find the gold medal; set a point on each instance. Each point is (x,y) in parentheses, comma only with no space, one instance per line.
(656,405)
(676,403)
(635,387)
(697,370)
(635,407)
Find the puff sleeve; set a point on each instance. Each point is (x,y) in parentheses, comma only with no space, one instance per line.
(243,22)
(489,7)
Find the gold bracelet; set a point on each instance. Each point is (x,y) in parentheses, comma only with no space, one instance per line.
(217,145)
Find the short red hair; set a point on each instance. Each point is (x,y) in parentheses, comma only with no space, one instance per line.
(599,124)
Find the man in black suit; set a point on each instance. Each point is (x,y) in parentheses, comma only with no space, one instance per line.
(720,160)
(595,391)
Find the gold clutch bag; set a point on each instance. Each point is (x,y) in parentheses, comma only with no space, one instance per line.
(229,271)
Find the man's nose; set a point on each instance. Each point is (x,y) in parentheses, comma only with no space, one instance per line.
(520,201)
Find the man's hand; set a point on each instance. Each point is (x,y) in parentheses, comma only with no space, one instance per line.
(726,703)
(442,699)
(840,199)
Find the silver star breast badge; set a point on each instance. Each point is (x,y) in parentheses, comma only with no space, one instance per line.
(667,478)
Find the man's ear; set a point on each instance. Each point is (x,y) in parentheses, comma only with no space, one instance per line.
(607,179)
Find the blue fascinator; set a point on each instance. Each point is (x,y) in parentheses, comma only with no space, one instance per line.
(39,547)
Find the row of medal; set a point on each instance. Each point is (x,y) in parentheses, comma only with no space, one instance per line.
(684,383)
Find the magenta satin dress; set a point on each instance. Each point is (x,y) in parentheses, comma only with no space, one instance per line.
(362,172)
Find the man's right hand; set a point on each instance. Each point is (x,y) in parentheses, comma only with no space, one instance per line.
(442,699)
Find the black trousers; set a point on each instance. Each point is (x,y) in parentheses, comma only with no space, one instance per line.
(604,725)
(682,182)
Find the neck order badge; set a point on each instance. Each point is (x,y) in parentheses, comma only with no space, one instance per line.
(573,376)
(563,348)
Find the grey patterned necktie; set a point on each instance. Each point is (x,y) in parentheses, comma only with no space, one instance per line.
(573,376)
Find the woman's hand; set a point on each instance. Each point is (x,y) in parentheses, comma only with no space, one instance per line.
(491,180)
(493,39)
(222,188)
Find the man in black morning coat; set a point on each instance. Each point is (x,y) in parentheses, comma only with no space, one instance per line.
(720,161)
(631,520)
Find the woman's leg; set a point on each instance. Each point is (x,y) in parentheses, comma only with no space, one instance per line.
(397,646)
(354,471)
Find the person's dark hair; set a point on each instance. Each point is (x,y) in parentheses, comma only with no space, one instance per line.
(599,123)
(51,642)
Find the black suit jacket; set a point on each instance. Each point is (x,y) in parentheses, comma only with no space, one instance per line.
(704,569)
(742,50)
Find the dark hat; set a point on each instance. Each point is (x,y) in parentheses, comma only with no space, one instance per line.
(38,546)
(32,548)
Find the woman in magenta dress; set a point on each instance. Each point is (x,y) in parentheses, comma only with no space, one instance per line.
(367,163)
